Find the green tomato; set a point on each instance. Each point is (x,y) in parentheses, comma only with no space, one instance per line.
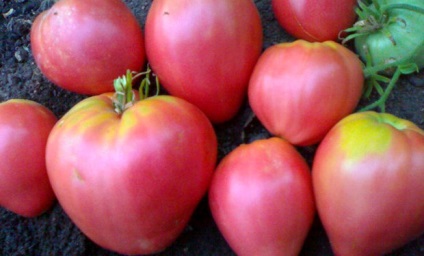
(389,38)
(391,31)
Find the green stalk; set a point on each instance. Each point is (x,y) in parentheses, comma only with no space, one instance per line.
(124,97)
(382,100)
(373,70)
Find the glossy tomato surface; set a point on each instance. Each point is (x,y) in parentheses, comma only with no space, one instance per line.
(261,198)
(204,51)
(368,177)
(131,181)
(83,46)
(315,20)
(299,90)
(24,128)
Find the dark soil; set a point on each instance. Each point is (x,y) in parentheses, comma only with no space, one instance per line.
(54,234)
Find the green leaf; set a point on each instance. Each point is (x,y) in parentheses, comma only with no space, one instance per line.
(409,68)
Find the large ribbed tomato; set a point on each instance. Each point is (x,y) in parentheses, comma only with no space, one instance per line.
(299,90)
(130,181)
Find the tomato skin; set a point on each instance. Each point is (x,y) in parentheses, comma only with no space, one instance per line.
(93,42)
(299,90)
(24,128)
(205,51)
(261,198)
(367,178)
(131,182)
(315,20)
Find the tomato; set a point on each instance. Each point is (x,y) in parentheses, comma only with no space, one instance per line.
(315,20)
(299,90)
(24,128)
(392,32)
(130,181)
(368,177)
(261,198)
(204,51)
(83,45)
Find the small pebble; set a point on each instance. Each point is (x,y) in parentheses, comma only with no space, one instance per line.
(417,80)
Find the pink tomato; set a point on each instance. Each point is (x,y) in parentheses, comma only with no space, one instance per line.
(204,51)
(261,198)
(130,181)
(315,20)
(83,46)
(299,90)
(24,128)
(368,177)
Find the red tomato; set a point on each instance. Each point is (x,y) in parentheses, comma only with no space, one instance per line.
(299,90)
(368,177)
(204,51)
(131,181)
(261,198)
(24,128)
(83,45)
(315,20)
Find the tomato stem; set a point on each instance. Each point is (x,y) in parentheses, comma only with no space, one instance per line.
(124,96)
(381,102)
(371,70)
(373,79)
(146,83)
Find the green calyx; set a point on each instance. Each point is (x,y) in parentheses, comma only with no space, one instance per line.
(125,97)
(374,17)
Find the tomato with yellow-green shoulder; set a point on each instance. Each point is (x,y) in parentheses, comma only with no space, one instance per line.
(368,179)
(131,179)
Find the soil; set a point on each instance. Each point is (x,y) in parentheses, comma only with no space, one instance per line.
(54,234)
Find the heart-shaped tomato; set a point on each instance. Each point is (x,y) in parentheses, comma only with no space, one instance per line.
(368,176)
(130,181)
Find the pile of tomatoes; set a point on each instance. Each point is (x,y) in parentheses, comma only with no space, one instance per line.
(129,169)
